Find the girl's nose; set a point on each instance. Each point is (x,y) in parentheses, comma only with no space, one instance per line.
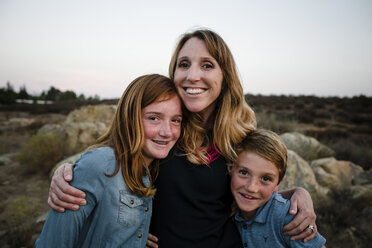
(165,129)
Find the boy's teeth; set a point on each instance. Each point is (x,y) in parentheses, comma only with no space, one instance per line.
(194,91)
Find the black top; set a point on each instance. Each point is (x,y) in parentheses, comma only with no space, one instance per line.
(192,205)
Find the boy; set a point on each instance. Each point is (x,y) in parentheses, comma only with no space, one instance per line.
(255,179)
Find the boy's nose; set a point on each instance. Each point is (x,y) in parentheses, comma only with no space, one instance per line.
(252,185)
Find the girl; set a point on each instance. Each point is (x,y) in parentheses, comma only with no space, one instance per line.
(117,173)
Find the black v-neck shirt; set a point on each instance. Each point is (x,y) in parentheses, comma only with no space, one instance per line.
(192,205)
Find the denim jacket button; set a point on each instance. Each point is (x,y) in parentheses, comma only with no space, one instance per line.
(131,201)
(146,209)
(140,235)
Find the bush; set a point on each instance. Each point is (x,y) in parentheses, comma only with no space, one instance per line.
(344,220)
(271,122)
(357,152)
(42,152)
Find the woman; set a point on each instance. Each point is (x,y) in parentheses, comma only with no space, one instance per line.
(117,173)
(192,204)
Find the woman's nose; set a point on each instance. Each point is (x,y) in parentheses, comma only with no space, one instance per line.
(193,74)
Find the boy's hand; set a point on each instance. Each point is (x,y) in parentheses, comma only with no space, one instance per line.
(61,194)
(302,205)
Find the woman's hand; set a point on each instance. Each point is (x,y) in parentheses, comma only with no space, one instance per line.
(151,241)
(300,226)
(61,194)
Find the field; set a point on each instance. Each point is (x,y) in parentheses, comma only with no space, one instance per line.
(344,124)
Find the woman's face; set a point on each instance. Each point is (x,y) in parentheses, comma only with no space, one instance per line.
(198,77)
(162,125)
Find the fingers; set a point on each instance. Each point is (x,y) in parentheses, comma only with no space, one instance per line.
(151,241)
(61,195)
(67,172)
(307,234)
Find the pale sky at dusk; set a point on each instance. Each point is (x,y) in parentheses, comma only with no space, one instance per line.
(313,47)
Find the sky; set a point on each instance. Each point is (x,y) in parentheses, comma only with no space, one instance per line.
(290,47)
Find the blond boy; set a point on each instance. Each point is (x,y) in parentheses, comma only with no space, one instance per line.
(255,179)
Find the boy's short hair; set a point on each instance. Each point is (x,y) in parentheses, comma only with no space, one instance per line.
(267,145)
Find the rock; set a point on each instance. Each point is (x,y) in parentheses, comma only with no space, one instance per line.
(101,113)
(82,127)
(70,160)
(300,174)
(306,147)
(363,178)
(5,161)
(330,172)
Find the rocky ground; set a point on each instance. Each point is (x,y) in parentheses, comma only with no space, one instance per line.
(23,195)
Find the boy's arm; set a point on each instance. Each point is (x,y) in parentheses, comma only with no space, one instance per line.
(302,206)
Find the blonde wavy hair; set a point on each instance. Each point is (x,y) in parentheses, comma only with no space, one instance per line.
(232,118)
(126,133)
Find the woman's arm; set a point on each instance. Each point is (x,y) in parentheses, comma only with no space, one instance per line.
(61,195)
(302,205)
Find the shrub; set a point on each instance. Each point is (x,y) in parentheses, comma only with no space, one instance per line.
(271,122)
(357,152)
(22,211)
(344,220)
(41,152)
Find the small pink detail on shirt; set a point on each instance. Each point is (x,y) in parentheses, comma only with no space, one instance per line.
(213,154)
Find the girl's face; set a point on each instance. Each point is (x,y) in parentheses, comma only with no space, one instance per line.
(162,125)
(198,77)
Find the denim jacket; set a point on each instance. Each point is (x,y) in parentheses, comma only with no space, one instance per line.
(112,217)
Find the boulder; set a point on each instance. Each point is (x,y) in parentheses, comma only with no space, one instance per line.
(306,147)
(82,127)
(300,174)
(330,172)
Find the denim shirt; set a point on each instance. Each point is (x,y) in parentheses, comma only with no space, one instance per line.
(265,229)
(112,217)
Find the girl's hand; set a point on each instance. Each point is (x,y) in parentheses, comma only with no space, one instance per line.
(61,194)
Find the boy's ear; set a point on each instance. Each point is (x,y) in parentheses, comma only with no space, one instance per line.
(277,186)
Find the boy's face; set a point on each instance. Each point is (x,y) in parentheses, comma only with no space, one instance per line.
(253,180)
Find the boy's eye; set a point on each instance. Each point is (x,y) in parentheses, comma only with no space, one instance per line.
(266,179)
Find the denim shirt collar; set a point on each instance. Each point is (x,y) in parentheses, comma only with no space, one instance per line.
(260,215)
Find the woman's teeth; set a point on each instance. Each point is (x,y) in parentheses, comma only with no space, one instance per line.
(194,90)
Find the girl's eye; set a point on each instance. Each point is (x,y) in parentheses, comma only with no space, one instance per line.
(243,172)
(153,118)
(177,121)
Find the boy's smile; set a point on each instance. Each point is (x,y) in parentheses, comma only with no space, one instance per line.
(253,180)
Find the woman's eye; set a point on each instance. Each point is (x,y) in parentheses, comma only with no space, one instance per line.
(183,64)
(243,172)
(153,118)
(207,66)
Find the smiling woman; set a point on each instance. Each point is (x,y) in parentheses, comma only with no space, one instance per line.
(117,173)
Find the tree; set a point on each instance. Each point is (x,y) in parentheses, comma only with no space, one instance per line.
(23,93)
(67,95)
(7,95)
(53,94)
